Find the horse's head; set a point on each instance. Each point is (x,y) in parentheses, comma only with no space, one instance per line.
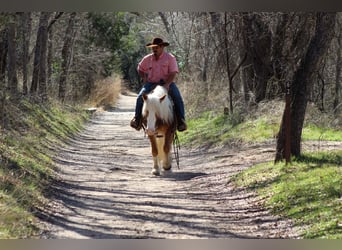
(157,109)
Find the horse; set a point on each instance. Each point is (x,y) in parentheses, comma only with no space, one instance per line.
(159,121)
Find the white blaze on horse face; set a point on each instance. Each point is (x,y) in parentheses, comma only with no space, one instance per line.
(151,121)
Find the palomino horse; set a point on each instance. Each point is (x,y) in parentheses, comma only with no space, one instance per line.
(158,118)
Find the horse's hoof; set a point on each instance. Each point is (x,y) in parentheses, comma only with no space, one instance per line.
(167,168)
(155,172)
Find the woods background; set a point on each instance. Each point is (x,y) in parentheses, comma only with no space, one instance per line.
(229,62)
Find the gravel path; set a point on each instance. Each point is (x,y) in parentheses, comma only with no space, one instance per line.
(106,189)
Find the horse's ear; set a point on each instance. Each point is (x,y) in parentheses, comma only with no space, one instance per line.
(144,96)
(162,98)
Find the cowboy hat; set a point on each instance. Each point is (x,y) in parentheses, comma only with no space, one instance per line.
(157,42)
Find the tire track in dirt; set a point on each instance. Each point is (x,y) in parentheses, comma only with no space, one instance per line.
(106,189)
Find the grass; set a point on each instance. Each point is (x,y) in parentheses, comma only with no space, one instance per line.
(29,134)
(309,191)
(313,132)
(212,129)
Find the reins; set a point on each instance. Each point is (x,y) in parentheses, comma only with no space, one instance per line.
(176,147)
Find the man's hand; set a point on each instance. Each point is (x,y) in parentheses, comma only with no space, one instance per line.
(167,86)
(169,80)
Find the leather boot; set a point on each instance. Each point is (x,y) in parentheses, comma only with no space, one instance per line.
(136,123)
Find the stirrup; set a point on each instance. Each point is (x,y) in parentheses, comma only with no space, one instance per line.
(182,125)
(136,124)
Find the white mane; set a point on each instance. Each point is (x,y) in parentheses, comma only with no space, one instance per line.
(162,108)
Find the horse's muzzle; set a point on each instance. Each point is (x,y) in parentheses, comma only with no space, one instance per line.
(150,132)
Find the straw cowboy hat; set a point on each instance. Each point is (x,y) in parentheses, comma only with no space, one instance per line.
(157,42)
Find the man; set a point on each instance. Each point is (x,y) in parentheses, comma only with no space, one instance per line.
(159,67)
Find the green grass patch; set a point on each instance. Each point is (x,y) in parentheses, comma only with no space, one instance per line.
(313,132)
(212,129)
(309,191)
(205,129)
(15,222)
(219,129)
(30,133)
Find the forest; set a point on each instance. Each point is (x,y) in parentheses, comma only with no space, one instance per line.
(230,63)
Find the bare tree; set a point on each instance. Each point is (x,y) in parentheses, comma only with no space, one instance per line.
(337,105)
(50,50)
(39,64)
(3,63)
(26,24)
(303,81)
(3,54)
(165,21)
(257,41)
(66,55)
(43,55)
(12,56)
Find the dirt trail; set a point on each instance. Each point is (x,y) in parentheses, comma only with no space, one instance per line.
(106,189)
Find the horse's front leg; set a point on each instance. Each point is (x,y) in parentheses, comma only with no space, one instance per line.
(167,163)
(155,169)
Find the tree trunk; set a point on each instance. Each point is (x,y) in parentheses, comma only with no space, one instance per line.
(36,61)
(165,22)
(277,52)
(66,55)
(303,81)
(50,56)
(39,64)
(226,49)
(257,42)
(43,55)
(50,50)
(337,105)
(26,34)
(206,55)
(3,54)
(12,57)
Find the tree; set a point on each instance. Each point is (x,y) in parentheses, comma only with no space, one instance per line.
(39,65)
(43,55)
(66,55)
(3,63)
(12,56)
(26,24)
(257,41)
(51,33)
(3,54)
(302,82)
(337,105)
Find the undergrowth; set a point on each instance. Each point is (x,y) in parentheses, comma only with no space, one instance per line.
(105,93)
(30,131)
(217,129)
(309,191)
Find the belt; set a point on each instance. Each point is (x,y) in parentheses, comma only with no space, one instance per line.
(161,82)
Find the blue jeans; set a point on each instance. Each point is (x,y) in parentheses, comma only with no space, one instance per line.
(173,92)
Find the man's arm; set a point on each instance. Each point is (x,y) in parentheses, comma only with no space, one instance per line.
(143,76)
(170,79)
